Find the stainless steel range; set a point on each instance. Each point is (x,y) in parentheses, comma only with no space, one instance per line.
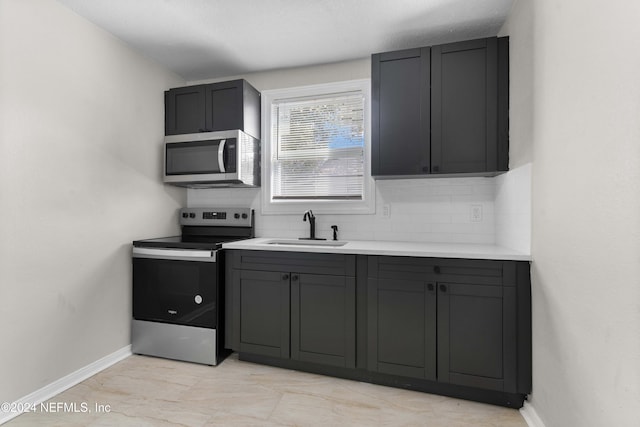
(178,285)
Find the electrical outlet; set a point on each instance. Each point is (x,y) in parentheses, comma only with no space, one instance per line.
(476,213)
(386,210)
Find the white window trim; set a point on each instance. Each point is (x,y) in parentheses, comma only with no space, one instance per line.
(365,206)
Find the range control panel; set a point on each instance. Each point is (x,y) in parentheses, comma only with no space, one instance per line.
(229,217)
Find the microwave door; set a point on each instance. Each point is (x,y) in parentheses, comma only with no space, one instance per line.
(192,158)
(201,160)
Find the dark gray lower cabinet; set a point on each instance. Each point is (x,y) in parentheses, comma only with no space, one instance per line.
(472,349)
(402,327)
(458,327)
(264,308)
(323,319)
(292,312)
(454,321)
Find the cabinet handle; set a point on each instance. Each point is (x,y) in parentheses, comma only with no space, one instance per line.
(443,288)
(436,168)
(425,169)
(430,286)
(436,269)
(294,277)
(285,277)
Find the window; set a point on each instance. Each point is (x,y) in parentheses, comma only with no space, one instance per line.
(316,149)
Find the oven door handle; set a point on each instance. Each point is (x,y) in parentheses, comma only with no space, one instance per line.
(175,254)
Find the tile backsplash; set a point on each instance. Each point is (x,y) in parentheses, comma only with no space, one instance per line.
(450,210)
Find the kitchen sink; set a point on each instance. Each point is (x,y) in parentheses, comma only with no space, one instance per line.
(296,242)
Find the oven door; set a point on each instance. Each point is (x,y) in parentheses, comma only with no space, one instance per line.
(175,286)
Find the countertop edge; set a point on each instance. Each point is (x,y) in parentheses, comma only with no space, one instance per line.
(393,248)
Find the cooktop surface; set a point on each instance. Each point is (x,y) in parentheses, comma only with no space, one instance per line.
(185,242)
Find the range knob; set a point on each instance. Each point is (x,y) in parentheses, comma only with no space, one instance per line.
(185,215)
(236,215)
(244,216)
(192,215)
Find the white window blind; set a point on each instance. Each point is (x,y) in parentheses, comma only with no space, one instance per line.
(318,147)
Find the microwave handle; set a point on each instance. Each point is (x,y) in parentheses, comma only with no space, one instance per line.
(221,155)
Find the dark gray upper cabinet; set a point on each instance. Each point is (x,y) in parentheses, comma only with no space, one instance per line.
(213,107)
(400,112)
(184,110)
(441,110)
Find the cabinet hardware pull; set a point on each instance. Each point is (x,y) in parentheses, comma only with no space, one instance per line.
(430,286)
(436,269)
(294,277)
(425,169)
(443,288)
(285,277)
(436,168)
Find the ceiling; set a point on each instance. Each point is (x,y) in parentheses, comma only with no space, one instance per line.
(203,39)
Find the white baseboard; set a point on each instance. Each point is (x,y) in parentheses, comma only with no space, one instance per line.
(66,382)
(530,415)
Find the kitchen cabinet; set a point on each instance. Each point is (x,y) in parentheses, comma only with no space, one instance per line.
(323,319)
(476,346)
(400,131)
(457,327)
(213,107)
(441,110)
(297,306)
(264,308)
(451,321)
(401,326)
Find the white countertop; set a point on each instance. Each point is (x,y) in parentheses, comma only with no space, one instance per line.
(367,247)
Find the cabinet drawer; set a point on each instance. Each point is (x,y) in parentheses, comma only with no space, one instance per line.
(332,264)
(483,272)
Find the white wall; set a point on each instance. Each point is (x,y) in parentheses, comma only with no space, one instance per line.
(513,209)
(302,76)
(81,128)
(428,210)
(578,65)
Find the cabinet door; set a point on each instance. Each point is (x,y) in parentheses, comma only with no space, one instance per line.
(184,110)
(400,113)
(323,319)
(464,106)
(474,346)
(224,106)
(263,312)
(402,327)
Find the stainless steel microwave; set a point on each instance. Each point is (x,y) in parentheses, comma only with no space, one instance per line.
(212,159)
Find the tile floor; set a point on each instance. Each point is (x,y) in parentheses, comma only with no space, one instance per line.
(147,391)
